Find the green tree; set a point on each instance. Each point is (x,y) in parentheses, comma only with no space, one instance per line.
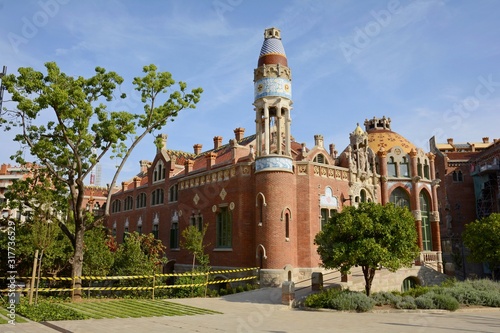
(98,256)
(369,236)
(482,237)
(36,200)
(139,254)
(66,127)
(192,240)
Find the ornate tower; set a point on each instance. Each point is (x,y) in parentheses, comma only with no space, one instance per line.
(272,101)
(276,232)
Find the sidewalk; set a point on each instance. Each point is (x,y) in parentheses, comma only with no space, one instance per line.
(261,311)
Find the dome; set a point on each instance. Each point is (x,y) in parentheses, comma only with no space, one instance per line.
(380,136)
(272,51)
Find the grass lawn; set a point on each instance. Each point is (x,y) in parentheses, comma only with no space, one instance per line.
(134,308)
(4,320)
(98,309)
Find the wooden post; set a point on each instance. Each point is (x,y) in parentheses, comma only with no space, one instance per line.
(154,280)
(33,275)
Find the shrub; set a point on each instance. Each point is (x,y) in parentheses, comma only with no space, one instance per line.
(418,291)
(45,311)
(406,302)
(351,301)
(385,298)
(445,302)
(320,300)
(425,302)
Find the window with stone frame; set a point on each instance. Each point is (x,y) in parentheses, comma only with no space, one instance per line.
(426,225)
(173,193)
(174,235)
(404,169)
(116,206)
(197,221)
(400,197)
(326,214)
(157,197)
(128,203)
(224,228)
(155,231)
(391,167)
(141,200)
(159,172)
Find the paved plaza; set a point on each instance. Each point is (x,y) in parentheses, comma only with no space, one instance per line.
(261,311)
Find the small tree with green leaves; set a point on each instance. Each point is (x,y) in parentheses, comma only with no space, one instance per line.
(65,125)
(370,236)
(482,237)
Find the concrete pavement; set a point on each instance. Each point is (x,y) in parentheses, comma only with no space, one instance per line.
(261,311)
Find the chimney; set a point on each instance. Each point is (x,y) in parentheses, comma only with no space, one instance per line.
(450,141)
(318,140)
(137,182)
(163,142)
(486,139)
(217,141)
(333,152)
(188,166)
(197,148)
(144,166)
(238,133)
(210,159)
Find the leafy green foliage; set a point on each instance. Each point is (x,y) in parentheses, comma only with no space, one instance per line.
(482,238)
(98,256)
(66,127)
(342,300)
(139,254)
(192,240)
(369,236)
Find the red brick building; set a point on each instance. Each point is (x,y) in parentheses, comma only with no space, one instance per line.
(265,196)
(469,188)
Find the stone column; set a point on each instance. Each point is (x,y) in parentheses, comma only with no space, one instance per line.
(382,154)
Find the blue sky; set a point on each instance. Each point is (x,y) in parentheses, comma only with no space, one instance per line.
(432,66)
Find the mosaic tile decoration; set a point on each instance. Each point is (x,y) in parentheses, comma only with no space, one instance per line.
(272,46)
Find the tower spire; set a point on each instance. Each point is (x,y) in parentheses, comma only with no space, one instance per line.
(273,98)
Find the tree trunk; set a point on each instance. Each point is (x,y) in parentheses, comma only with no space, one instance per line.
(369,274)
(78,263)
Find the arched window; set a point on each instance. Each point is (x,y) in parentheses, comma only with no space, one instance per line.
(404,170)
(140,201)
(426,226)
(287,226)
(391,167)
(419,168)
(458,176)
(173,193)
(116,206)
(320,158)
(128,203)
(362,195)
(224,228)
(157,197)
(400,198)
(426,170)
(159,172)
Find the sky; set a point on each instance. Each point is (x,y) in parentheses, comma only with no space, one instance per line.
(432,66)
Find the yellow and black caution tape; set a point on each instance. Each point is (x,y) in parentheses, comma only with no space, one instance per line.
(232,280)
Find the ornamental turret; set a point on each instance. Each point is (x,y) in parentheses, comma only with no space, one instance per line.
(272,101)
